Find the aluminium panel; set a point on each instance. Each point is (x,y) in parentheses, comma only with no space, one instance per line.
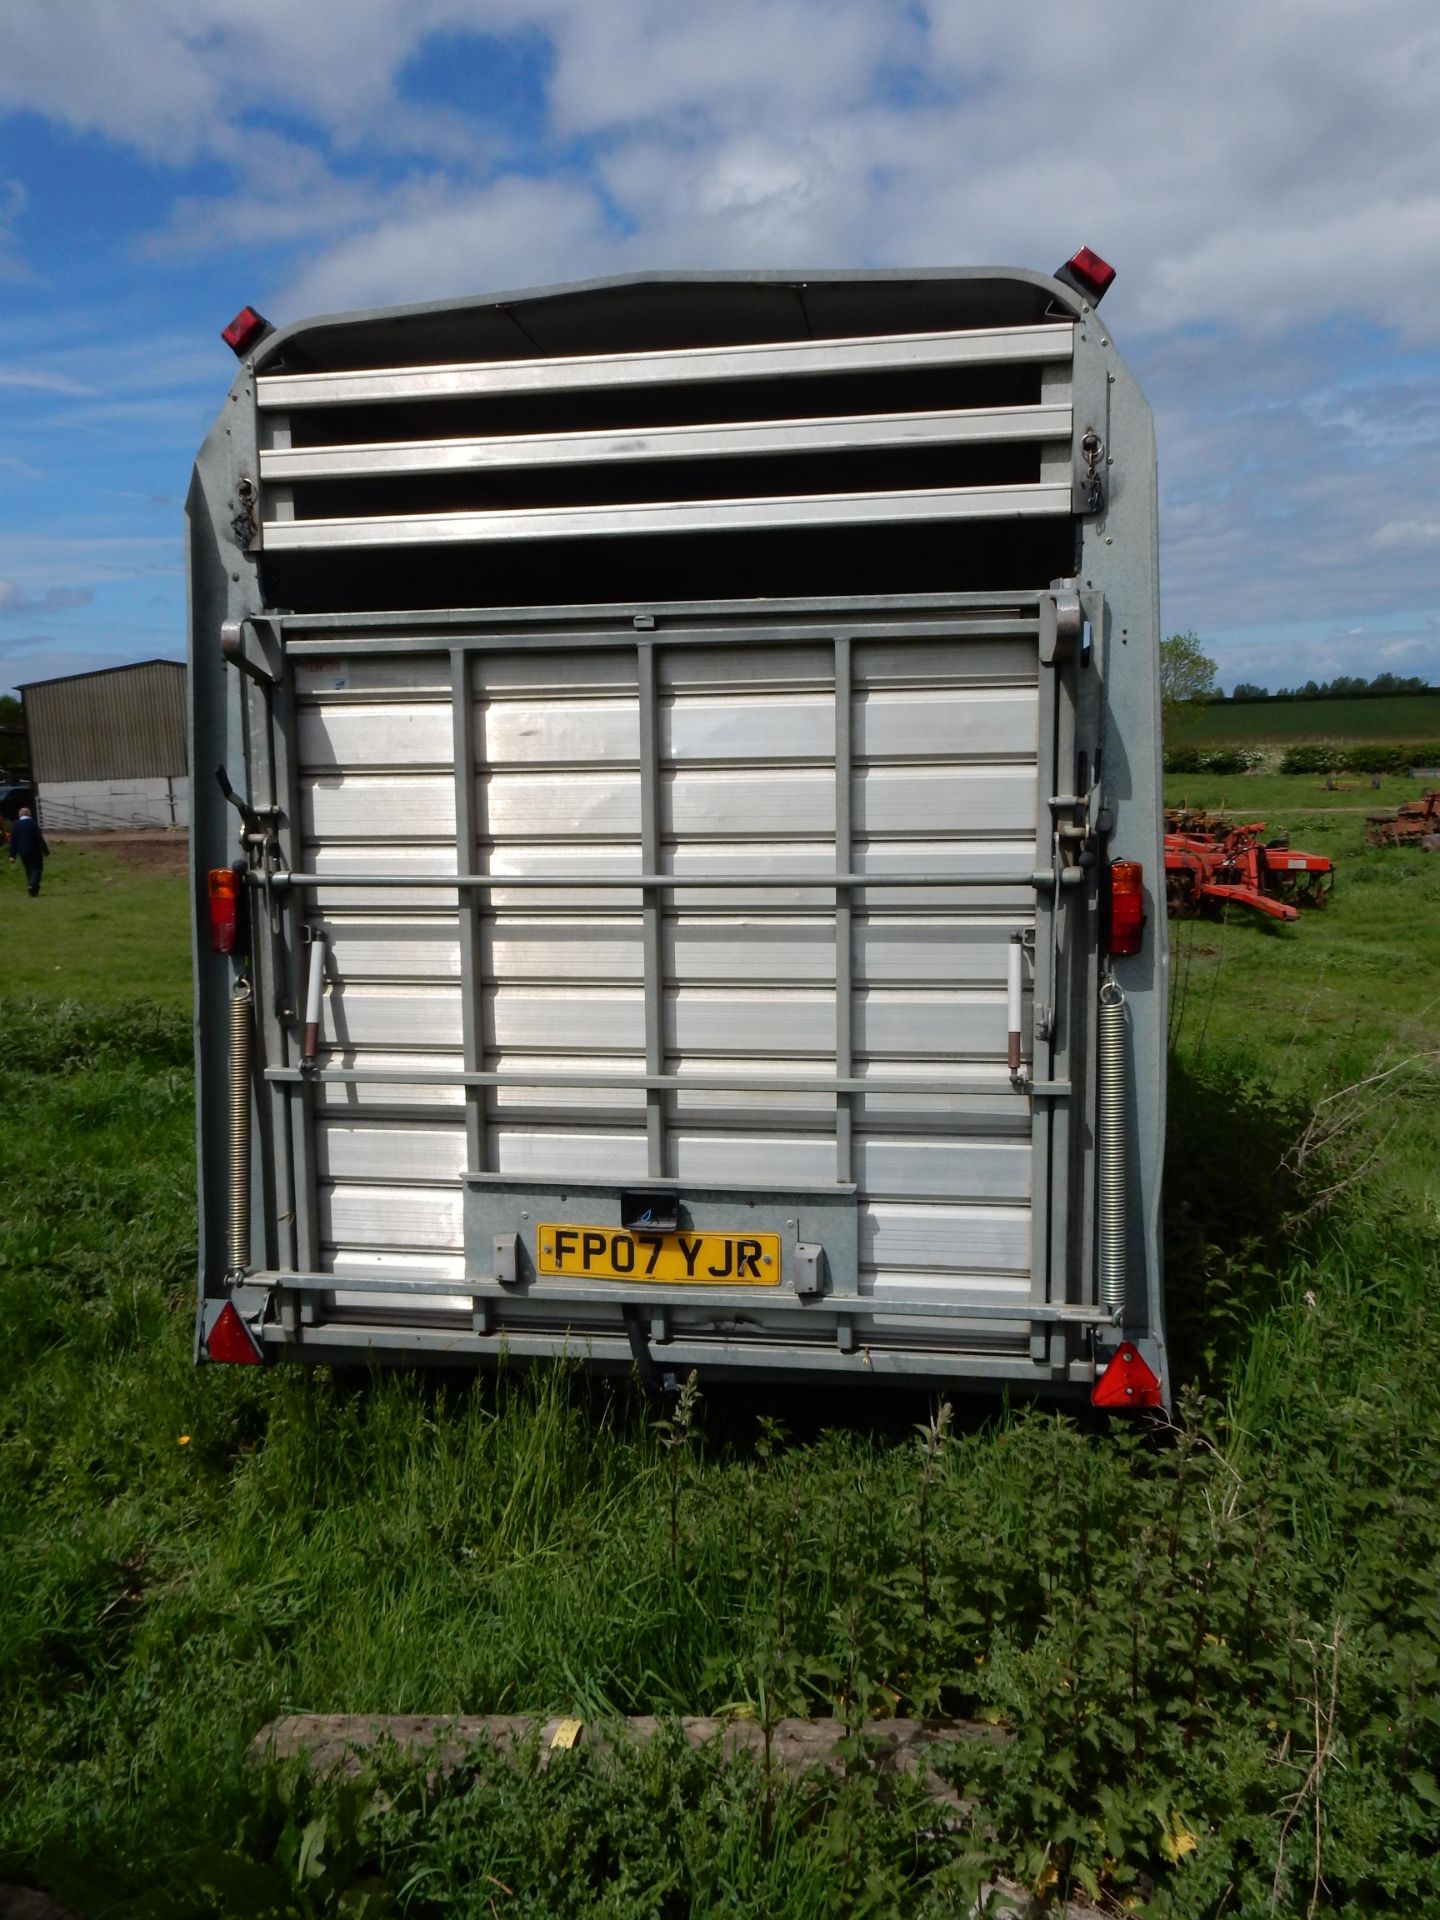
(772,360)
(975,426)
(891,507)
(746,740)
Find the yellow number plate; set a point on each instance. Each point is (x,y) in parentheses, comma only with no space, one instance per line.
(674,1259)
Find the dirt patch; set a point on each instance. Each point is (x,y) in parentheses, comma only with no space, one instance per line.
(160,850)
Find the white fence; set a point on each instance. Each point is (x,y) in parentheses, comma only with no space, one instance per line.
(113,806)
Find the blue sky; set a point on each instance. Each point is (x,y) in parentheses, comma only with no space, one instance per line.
(1267,181)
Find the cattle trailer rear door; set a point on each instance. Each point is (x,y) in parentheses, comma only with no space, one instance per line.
(703,909)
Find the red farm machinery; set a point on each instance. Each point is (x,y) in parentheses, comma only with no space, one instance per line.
(1211,862)
(1415,824)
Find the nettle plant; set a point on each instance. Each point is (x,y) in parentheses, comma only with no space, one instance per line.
(1166,1691)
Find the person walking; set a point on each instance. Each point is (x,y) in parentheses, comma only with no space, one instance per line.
(27,845)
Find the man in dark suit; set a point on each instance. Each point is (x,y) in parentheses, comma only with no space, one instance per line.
(27,845)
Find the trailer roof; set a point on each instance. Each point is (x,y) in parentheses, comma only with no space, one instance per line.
(636,312)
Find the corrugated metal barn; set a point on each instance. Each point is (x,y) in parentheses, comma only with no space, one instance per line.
(108,749)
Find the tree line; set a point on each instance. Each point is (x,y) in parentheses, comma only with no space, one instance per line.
(1345,686)
(1187,679)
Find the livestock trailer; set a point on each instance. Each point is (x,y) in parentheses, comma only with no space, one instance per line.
(676,834)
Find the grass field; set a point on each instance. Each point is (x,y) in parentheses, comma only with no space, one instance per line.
(104,929)
(1400,716)
(1258,796)
(1217,1659)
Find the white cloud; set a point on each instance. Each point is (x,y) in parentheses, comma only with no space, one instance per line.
(16,604)
(39,380)
(432,241)
(1420,536)
(1261,166)
(751,65)
(173,77)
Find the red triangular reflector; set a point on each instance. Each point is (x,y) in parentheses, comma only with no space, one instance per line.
(231,1340)
(1126,1382)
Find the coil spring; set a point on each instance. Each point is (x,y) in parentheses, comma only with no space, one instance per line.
(1110,1143)
(241,1031)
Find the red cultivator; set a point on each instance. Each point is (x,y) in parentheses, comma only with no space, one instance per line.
(1208,862)
(1415,824)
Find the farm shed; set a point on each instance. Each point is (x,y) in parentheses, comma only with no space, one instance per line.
(108,749)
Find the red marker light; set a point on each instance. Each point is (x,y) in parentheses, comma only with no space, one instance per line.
(1127,1382)
(231,1341)
(1127,907)
(224,909)
(246,330)
(1088,274)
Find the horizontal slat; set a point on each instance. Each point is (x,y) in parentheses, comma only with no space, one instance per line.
(586,953)
(901,659)
(411,675)
(967,1239)
(391,1216)
(360,734)
(413,1153)
(578,1099)
(994,1112)
(422,950)
(993,346)
(944,952)
(346,806)
(531,861)
(356,1263)
(928,504)
(581,806)
(362,861)
(972,723)
(351,1097)
(986,1292)
(707,951)
(556,732)
(976,426)
(361,1014)
(971,799)
(783,1021)
(887,1168)
(933,723)
(967,800)
(542,1154)
(950,1168)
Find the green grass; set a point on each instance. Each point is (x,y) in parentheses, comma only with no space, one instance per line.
(1399,716)
(1278,797)
(184,1554)
(101,931)
(1345,990)
(1342,983)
